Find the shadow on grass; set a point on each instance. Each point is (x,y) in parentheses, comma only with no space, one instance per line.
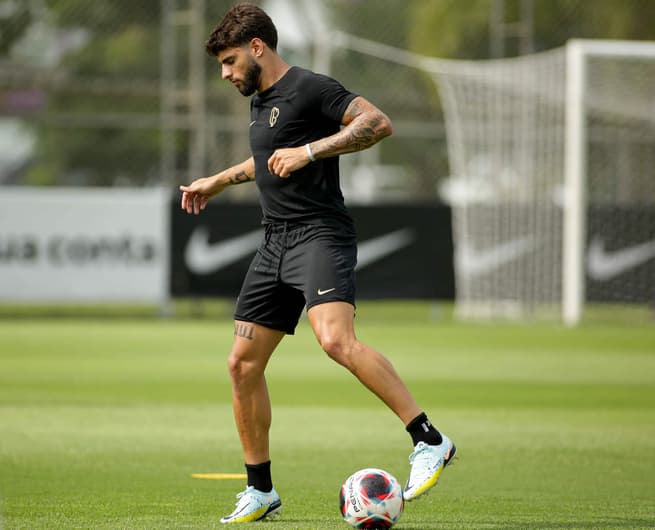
(605,522)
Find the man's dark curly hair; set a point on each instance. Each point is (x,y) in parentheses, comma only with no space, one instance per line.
(239,26)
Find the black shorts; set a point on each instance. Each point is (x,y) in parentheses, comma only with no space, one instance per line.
(297,266)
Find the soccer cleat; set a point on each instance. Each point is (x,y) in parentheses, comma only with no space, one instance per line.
(254,505)
(428,461)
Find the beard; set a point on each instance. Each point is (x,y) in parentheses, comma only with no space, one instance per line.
(251,79)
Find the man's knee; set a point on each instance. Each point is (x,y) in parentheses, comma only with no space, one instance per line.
(242,366)
(338,347)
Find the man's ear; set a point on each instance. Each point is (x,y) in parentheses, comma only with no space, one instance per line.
(257,47)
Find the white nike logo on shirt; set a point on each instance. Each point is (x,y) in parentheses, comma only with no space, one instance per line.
(321,293)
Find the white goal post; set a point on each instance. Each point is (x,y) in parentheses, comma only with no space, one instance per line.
(578,53)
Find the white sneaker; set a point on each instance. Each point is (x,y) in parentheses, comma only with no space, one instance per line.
(254,505)
(428,461)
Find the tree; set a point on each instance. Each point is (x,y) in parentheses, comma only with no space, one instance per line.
(459,29)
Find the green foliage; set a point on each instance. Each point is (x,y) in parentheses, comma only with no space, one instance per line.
(453,29)
(131,51)
(460,29)
(372,19)
(116,74)
(105,17)
(11,29)
(123,45)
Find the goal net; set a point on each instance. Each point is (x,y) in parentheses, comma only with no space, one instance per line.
(552,180)
(552,175)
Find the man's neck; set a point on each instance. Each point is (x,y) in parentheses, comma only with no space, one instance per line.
(272,72)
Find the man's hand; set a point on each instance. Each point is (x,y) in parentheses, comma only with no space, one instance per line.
(196,194)
(283,162)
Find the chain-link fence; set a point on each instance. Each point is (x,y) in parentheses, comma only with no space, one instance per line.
(121,92)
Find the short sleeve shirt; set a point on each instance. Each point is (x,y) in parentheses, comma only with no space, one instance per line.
(300,108)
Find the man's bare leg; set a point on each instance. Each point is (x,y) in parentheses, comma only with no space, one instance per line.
(252,348)
(333,325)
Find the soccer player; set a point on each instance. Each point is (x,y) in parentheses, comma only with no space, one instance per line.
(300,122)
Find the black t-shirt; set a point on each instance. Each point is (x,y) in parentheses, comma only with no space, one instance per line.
(300,108)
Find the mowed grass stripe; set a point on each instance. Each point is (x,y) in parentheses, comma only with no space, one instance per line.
(342,393)
(97,462)
(103,423)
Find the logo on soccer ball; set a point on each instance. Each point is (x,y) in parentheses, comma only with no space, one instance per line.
(371,498)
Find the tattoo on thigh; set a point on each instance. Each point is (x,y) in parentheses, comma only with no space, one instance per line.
(245,331)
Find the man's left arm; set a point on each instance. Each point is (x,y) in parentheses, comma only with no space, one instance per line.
(364,126)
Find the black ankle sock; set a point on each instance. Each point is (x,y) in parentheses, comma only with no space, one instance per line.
(259,476)
(421,430)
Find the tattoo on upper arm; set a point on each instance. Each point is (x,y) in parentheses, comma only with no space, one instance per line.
(245,331)
(365,125)
(353,110)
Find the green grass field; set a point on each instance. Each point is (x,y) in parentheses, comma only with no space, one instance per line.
(104,420)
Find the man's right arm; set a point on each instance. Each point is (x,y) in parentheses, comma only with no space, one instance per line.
(196,194)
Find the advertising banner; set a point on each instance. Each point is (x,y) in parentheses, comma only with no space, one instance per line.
(84,245)
(403,251)
(621,254)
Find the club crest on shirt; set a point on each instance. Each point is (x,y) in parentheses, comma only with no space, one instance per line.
(272,119)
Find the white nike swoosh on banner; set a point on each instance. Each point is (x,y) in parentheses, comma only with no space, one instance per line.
(202,257)
(375,249)
(603,265)
(472,262)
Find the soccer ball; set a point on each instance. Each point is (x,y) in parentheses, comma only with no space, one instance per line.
(371,498)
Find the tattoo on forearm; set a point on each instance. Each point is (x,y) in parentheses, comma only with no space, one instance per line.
(364,134)
(245,331)
(240,178)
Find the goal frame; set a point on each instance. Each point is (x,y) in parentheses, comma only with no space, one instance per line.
(578,52)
